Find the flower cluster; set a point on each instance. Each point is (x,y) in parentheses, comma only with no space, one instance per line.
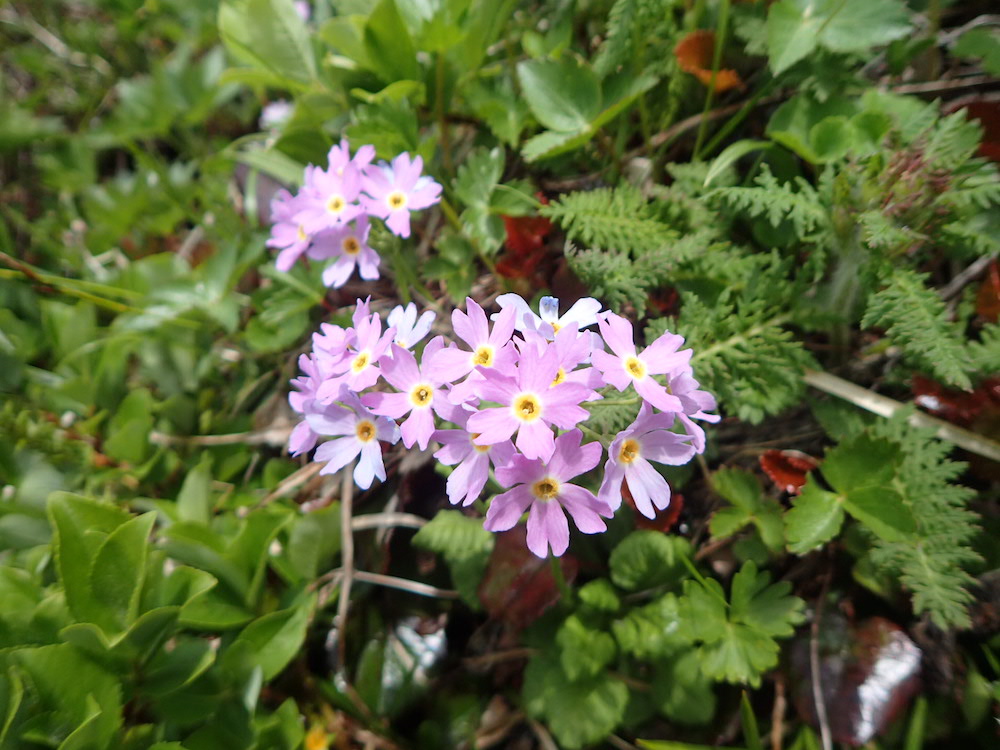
(510,396)
(329,219)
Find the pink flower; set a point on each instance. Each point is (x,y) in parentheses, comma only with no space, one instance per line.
(696,403)
(647,439)
(348,244)
(394,192)
(573,349)
(626,365)
(287,234)
(357,368)
(488,349)
(532,403)
(466,482)
(541,488)
(420,394)
(328,199)
(361,431)
(340,156)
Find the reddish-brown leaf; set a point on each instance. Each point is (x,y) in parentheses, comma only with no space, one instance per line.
(694,54)
(664,520)
(518,587)
(958,407)
(988,297)
(788,469)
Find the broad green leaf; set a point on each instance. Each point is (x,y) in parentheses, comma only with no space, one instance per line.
(882,510)
(271,35)
(815,518)
(388,44)
(792,123)
(584,651)
(273,163)
(81,526)
(563,95)
(194,501)
(119,570)
(276,638)
(831,138)
(579,712)
(749,506)
(795,28)
(859,463)
(170,670)
(599,595)
(681,690)
(645,559)
(314,541)
(982,43)
(767,607)
(651,631)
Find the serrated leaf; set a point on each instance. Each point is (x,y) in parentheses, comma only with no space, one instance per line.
(750,506)
(563,95)
(270,35)
(584,651)
(653,630)
(599,595)
(579,712)
(814,519)
(681,690)
(645,559)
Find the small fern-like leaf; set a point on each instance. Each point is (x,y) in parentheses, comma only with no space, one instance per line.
(914,319)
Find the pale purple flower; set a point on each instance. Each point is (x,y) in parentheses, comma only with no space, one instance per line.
(548,322)
(627,365)
(303,9)
(361,432)
(328,199)
(531,404)
(394,192)
(340,156)
(287,233)
(573,350)
(420,394)
(275,114)
(487,349)
(541,488)
(348,244)
(303,438)
(696,403)
(647,439)
(410,329)
(358,368)
(466,482)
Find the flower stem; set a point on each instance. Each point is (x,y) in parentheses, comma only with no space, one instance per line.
(557,573)
(721,27)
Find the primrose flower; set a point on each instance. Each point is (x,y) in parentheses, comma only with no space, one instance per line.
(696,403)
(394,192)
(361,432)
(541,488)
(357,368)
(548,322)
(488,349)
(626,365)
(340,156)
(466,482)
(347,243)
(329,200)
(287,234)
(573,350)
(419,396)
(410,330)
(647,439)
(531,404)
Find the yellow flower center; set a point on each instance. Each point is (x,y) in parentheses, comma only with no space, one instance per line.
(483,356)
(335,204)
(629,451)
(479,448)
(301,234)
(527,407)
(351,246)
(365,431)
(560,377)
(421,395)
(555,327)
(396,200)
(360,362)
(635,368)
(545,489)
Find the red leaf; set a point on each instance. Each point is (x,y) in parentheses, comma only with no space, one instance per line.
(664,520)
(518,587)
(788,469)
(694,54)
(988,297)
(958,407)
(525,244)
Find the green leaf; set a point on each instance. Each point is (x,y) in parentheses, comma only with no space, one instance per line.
(646,559)
(119,570)
(171,670)
(465,546)
(584,651)
(563,95)
(651,631)
(831,138)
(388,44)
(579,712)
(814,519)
(276,638)
(314,541)
(599,595)
(730,155)
(270,35)
(795,28)
(477,178)
(982,43)
(194,501)
(749,506)
(748,721)
(81,526)
(681,690)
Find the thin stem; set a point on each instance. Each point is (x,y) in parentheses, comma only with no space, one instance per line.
(738,118)
(616,401)
(557,573)
(701,579)
(347,556)
(721,27)
(403,584)
(439,107)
